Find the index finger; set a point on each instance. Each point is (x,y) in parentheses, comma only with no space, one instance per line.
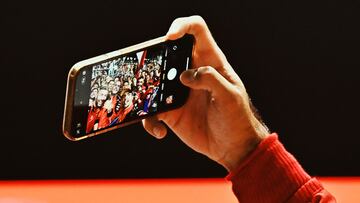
(194,25)
(206,51)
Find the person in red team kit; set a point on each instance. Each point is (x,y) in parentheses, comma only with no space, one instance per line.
(227,130)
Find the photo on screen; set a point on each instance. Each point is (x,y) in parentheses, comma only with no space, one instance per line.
(124,88)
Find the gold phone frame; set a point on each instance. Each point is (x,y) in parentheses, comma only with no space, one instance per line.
(71,83)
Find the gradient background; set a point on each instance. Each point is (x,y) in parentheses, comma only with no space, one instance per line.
(298,59)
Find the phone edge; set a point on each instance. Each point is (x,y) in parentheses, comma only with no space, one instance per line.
(70,87)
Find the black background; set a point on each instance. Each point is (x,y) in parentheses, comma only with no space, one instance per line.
(298,59)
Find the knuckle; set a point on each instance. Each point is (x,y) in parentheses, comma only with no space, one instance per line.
(206,72)
(177,20)
(240,94)
(198,19)
(198,23)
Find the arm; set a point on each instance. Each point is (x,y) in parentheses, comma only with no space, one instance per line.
(271,174)
(217,120)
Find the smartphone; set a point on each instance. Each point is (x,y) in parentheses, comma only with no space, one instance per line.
(125,86)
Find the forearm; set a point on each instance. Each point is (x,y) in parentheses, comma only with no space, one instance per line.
(271,174)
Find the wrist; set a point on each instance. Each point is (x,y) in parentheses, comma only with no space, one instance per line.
(254,135)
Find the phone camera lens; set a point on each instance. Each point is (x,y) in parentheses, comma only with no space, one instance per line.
(172,74)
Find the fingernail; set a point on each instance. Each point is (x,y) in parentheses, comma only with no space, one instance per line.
(189,76)
(194,74)
(157,132)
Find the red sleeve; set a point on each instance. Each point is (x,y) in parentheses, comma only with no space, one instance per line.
(271,174)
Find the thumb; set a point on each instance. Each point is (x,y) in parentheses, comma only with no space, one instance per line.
(207,78)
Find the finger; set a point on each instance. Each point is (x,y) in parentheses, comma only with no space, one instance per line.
(205,45)
(155,127)
(207,78)
(194,25)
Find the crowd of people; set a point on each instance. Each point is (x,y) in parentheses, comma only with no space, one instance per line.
(123,88)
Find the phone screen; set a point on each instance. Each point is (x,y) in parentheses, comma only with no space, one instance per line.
(131,86)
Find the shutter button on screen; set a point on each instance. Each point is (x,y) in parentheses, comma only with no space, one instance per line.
(171,74)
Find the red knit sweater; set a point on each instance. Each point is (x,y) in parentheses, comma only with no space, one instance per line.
(271,174)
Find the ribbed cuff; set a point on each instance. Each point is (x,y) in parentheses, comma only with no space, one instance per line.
(270,174)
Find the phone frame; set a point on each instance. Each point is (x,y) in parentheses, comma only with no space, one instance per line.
(71,86)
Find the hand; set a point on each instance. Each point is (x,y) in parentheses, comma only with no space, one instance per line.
(217,119)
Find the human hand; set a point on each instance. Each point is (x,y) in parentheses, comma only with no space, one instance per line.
(217,120)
